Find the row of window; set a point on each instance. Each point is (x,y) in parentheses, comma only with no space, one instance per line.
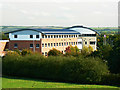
(31,36)
(31,45)
(60,36)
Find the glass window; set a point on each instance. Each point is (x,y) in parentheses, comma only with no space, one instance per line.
(62,36)
(59,36)
(31,36)
(42,44)
(54,44)
(76,43)
(37,45)
(15,45)
(72,43)
(42,53)
(48,44)
(85,42)
(51,44)
(59,44)
(45,44)
(69,43)
(62,44)
(45,36)
(48,36)
(65,43)
(51,36)
(76,35)
(79,42)
(45,53)
(67,36)
(37,36)
(92,42)
(42,36)
(15,36)
(31,45)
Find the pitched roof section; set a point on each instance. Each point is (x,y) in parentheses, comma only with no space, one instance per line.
(50,31)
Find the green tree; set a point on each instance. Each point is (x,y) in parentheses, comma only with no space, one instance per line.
(54,52)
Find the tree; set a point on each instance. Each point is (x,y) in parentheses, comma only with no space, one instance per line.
(54,52)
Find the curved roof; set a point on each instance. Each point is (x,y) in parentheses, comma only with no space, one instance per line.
(50,31)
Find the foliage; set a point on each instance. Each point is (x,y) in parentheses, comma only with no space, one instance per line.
(86,50)
(72,51)
(26,51)
(54,52)
(60,68)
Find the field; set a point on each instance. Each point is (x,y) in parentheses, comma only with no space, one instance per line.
(15,82)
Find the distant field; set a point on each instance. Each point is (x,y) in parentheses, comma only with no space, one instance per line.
(10,82)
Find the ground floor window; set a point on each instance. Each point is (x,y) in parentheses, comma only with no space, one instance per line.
(45,53)
(15,45)
(37,45)
(31,45)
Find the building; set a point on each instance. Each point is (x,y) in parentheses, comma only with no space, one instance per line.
(43,40)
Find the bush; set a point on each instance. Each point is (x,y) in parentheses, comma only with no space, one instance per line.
(26,51)
(60,68)
(54,52)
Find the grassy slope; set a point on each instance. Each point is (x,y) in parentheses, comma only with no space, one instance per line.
(10,82)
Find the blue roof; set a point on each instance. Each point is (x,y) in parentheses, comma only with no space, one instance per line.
(50,31)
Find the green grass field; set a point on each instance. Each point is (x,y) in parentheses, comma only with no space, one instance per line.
(10,82)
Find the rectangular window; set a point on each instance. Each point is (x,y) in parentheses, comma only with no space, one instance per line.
(65,36)
(31,36)
(72,36)
(76,35)
(76,43)
(45,36)
(48,36)
(37,45)
(92,42)
(62,36)
(42,53)
(51,36)
(79,42)
(42,36)
(65,43)
(45,53)
(79,35)
(69,43)
(31,45)
(72,43)
(48,44)
(85,42)
(54,44)
(51,44)
(43,45)
(59,36)
(15,36)
(37,36)
(59,44)
(62,44)
(15,45)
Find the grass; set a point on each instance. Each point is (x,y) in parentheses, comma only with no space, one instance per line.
(15,82)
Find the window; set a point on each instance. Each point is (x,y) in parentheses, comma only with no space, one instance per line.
(45,53)
(69,43)
(67,36)
(15,36)
(37,36)
(72,43)
(76,35)
(79,42)
(42,36)
(31,36)
(43,45)
(45,36)
(59,44)
(31,45)
(76,43)
(51,36)
(92,42)
(59,36)
(15,45)
(48,36)
(48,44)
(72,35)
(62,36)
(79,35)
(42,53)
(65,43)
(85,42)
(37,45)
(51,44)
(54,44)
(62,44)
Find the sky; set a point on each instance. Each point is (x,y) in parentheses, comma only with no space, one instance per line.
(91,13)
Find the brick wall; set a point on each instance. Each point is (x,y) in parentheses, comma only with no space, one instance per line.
(24,44)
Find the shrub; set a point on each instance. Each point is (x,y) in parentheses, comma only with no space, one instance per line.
(26,51)
(54,52)
(60,68)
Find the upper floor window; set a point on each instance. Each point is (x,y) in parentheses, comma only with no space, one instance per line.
(79,42)
(43,45)
(31,45)
(37,45)
(85,42)
(42,36)
(31,36)
(15,36)
(59,36)
(45,36)
(51,44)
(37,36)
(15,45)
(92,42)
(48,36)
(48,44)
(51,36)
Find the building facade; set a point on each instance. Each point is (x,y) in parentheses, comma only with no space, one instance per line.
(43,40)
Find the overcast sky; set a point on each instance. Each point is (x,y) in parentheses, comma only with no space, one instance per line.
(91,13)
